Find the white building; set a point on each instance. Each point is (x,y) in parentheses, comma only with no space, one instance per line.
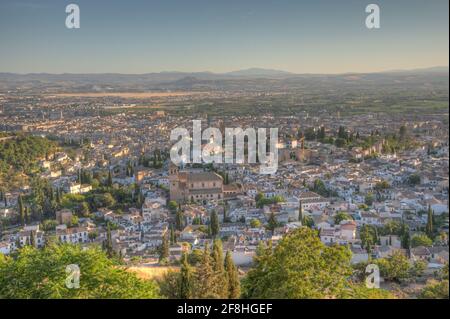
(73,235)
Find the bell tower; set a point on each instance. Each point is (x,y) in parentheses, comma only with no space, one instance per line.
(173,170)
(174,184)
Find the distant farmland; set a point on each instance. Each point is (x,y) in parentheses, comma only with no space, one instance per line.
(126,95)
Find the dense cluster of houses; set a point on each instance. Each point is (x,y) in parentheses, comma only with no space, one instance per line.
(350,178)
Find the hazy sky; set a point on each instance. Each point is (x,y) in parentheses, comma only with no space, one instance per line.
(140,36)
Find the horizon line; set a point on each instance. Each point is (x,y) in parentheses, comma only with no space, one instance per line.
(234,71)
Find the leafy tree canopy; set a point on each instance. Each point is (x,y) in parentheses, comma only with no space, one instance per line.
(301,266)
(41,274)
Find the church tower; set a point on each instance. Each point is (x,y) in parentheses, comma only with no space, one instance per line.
(174,184)
(173,169)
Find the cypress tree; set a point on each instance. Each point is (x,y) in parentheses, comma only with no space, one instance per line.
(429,227)
(209,230)
(406,240)
(109,182)
(300,212)
(179,220)
(220,280)
(172,235)
(109,244)
(215,228)
(21,210)
(186,278)
(272,222)
(205,276)
(225,218)
(164,249)
(234,285)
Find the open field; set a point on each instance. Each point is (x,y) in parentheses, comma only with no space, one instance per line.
(126,95)
(151,272)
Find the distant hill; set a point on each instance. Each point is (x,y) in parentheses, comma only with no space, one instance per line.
(166,76)
(249,79)
(258,72)
(436,69)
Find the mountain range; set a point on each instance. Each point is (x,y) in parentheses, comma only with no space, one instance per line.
(251,79)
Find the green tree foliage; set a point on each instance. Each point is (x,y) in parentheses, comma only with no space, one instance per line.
(255,223)
(418,268)
(360,291)
(49,225)
(258,197)
(173,238)
(203,274)
(225,213)
(301,266)
(205,277)
(195,257)
(41,274)
(109,181)
(220,284)
(413,179)
(340,142)
(320,188)
(105,199)
(214,222)
(321,134)
(173,206)
(164,250)
(368,199)
(22,154)
(342,133)
(272,222)
(186,279)
(310,134)
(234,285)
(392,228)
(395,267)
(368,235)
(382,186)
(108,243)
(262,201)
(308,221)
(421,240)
(179,220)
(435,290)
(429,230)
(340,216)
(169,285)
(300,212)
(21,209)
(405,236)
